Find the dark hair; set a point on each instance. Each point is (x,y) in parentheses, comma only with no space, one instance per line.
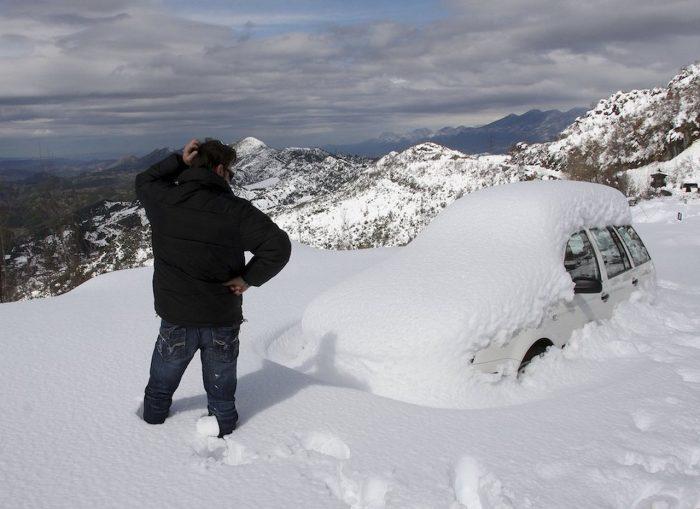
(211,153)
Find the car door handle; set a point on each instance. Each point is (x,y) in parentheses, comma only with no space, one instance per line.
(605,297)
(635,281)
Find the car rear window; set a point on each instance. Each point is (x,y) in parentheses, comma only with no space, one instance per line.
(634,244)
(614,256)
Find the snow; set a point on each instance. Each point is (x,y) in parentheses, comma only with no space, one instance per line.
(208,426)
(610,421)
(390,201)
(263,184)
(627,128)
(248,146)
(684,168)
(388,330)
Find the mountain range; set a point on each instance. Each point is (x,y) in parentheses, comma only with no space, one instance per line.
(346,202)
(534,126)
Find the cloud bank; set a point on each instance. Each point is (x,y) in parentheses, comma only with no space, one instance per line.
(122,75)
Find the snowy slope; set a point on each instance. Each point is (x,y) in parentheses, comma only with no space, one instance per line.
(390,202)
(627,129)
(611,421)
(273,178)
(684,168)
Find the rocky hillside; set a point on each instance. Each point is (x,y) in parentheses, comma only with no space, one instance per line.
(273,178)
(625,131)
(391,201)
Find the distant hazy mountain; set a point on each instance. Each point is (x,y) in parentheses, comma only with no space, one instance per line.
(135,163)
(534,126)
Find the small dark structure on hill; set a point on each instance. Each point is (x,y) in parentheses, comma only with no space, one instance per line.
(658,180)
(689,186)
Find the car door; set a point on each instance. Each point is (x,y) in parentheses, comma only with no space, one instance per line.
(581,262)
(618,276)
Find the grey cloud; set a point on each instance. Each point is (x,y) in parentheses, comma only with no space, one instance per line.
(132,68)
(76,19)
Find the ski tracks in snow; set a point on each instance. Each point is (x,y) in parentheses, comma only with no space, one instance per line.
(321,458)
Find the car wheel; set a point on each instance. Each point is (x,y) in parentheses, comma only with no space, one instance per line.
(538,349)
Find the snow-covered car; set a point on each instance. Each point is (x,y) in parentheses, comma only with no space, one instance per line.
(497,277)
(606,264)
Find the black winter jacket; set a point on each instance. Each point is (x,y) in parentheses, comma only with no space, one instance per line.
(200,230)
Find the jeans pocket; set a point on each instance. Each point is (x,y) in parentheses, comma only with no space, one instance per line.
(172,342)
(225,343)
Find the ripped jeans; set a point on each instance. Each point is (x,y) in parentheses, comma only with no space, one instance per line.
(174,349)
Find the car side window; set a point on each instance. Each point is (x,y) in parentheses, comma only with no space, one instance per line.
(579,259)
(614,256)
(634,244)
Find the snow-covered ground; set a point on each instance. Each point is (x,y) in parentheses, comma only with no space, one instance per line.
(682,169)
(611,421)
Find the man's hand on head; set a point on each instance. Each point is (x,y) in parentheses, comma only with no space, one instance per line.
(237,285)
(190,151)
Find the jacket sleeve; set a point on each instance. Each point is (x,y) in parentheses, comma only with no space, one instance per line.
(152,184)
(269,244)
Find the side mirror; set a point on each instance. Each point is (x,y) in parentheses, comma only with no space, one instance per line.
(587,285)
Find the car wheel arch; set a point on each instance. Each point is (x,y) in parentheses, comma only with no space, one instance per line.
(535,349)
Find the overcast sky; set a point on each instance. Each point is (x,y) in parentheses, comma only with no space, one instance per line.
(123,76)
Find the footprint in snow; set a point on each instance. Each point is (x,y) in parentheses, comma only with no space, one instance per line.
(358,492)
(223,450)
(218,450)
(689,374)
(477,488)
(643,419)
(209,449)
(237,453)
(325,443)
(658,501)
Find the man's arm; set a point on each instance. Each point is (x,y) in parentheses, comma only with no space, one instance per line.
(269,244)
(152,184)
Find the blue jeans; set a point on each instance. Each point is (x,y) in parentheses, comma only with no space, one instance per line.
(174,349)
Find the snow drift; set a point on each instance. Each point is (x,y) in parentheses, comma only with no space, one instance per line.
(408,327)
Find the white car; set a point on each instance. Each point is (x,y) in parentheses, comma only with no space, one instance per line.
(606,265)
(485,286)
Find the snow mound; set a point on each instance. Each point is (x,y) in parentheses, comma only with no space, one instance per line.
(491,263)
(208,426)
(248,146)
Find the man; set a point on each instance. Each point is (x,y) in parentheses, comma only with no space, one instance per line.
(200,231)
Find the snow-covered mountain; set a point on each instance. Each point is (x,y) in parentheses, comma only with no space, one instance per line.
(343,202)
(391,201)
(626,130)
(103,237)
(273,178)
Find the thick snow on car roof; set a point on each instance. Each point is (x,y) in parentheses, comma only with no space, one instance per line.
(489,264)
